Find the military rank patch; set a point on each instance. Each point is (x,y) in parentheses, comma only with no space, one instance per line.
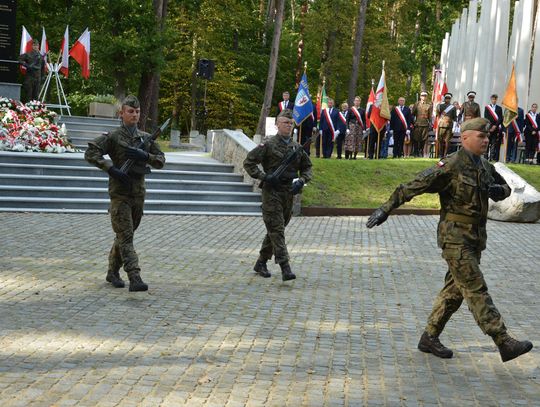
(441,164)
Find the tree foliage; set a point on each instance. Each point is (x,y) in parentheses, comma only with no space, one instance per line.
(236,34)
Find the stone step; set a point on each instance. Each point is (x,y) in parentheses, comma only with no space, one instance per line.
(97,121)
(102,182)
(146,212)
(83,135)
(78,160)
(80,171)
(82,126)
(102,193)
(23,203)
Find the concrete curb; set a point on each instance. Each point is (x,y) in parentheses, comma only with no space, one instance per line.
(321,211)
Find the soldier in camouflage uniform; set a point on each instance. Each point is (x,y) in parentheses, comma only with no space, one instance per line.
(464,182)
(447,115)
(126,191)
(470,109)
(422,120)
(277,194)
(34,63)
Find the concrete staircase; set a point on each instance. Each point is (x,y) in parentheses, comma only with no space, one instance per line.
(82,129)
(189,184)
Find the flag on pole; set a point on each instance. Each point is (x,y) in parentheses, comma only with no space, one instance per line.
(26,45)
(439,90)
(370,101)
(44,48)
(81,53)
(322,100)
(64,54)
(303,106)
(380,110)
(510,100)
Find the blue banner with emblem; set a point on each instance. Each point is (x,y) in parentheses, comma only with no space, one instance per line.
(303,106)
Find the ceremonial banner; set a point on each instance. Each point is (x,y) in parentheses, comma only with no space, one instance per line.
(510,100)
(44,48)
(370,101)
(81,53)
(303,106)
(64,54)
(380,110)
(26,45)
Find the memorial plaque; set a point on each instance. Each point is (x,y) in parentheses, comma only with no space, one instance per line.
(8,70)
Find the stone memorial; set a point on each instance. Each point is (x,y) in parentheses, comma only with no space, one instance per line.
(9,87)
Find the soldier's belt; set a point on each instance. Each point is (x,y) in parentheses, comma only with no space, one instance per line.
(469,220)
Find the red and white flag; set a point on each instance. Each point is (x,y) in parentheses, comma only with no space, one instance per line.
(380,111)
(439,90)
(370,101)
(26,45)
(81,53)
(64,54)
(44,48)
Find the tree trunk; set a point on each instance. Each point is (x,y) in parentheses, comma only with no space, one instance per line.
(300,54)
(194,83)
(274,53)
(413,51)
(358,39)
(149,84)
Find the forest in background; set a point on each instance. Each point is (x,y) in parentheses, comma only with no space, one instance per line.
(150,48)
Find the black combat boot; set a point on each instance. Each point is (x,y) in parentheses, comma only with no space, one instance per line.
(511,348)
(261,269)
(286,273)
(113,277)
(431,344)
(136,283)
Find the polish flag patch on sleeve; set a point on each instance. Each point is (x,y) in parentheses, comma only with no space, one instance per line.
(440,164)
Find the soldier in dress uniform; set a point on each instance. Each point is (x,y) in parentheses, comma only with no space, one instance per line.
(422,121)
(447,115)
(35,64)
(464,181)
(126,191)
(494,113)
(277,193)
(470,109)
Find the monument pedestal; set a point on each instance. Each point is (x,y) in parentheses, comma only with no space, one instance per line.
(10,90)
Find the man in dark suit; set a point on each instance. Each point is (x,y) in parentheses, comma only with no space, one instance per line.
(286,103)
(328,128)
(532,124)
(493,112)
(400,126)
(515,136)
(342,127)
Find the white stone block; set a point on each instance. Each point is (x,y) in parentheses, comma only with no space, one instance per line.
(523,205)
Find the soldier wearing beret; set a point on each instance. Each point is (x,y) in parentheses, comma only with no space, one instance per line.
(447,115)
(464,181)
(422,120)
(278,192)
(470,109)
(126,191)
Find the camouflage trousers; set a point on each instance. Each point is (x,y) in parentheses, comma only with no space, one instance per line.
(277,212)
(126,216)
(464,280)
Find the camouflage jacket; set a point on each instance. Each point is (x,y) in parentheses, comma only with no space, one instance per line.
(271,154)
(114,144)
(470,110)
(422,113)
(462,186)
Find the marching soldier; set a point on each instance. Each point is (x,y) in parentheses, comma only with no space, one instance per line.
(278,192)
(35,64)
(422,116)
(447,115)
(493,112)
(470,109)
(464,181)
(127,191)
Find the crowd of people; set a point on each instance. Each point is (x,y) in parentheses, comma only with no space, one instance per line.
(417,130)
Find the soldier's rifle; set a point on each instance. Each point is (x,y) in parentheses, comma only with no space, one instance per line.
(153,137)
(289,158)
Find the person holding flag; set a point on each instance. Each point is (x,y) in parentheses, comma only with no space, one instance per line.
(400,126)
(34,64)
(515,135)
(378,114)
(328,128)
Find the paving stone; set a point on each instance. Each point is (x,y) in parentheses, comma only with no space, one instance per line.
(209,332)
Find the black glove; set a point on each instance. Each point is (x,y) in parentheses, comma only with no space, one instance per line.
(271,180)
(119,175)
(376,218)
(137,154)
(496,192)
(297,186)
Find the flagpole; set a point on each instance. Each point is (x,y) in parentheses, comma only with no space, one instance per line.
(378,141)
(320,135)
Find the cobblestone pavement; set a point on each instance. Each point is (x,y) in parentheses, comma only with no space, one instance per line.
(211,333)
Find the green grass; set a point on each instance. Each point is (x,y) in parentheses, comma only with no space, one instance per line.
(368,183)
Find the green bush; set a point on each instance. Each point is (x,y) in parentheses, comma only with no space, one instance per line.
(78,103)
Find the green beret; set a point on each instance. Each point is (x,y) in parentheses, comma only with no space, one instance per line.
(131,101)
(478,124)
(287,113)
